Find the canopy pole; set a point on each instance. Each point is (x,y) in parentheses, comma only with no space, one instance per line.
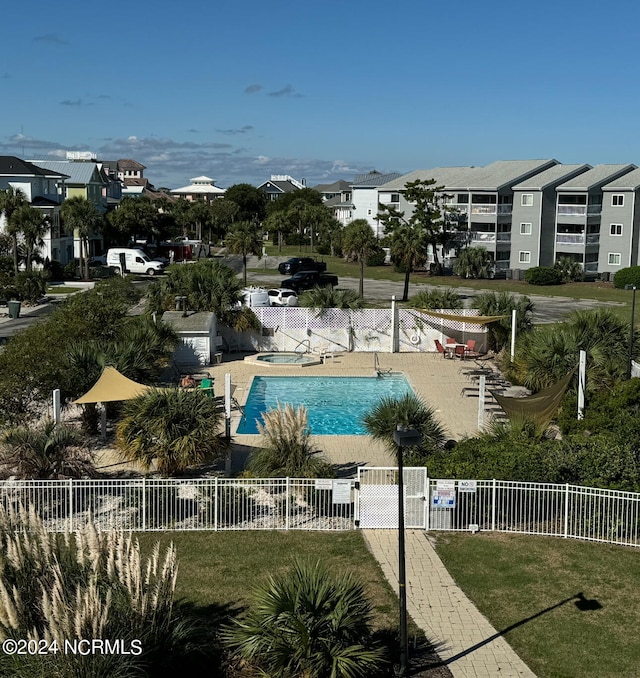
(103,421)
(582,378)
(481,388)
(392,347)
(57,411)
(513,333)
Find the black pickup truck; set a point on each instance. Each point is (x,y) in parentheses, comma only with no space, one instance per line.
(305,280)
(296,264)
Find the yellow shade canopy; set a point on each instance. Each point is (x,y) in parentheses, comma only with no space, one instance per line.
(112,386)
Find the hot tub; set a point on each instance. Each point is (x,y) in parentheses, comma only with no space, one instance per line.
(284,359)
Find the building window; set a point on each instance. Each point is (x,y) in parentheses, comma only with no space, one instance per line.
(616,229)
(527,200)
(617,200)
(615,259)
(395,197)
(524,257)
(525,229)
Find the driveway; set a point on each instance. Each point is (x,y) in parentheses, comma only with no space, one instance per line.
(547,309)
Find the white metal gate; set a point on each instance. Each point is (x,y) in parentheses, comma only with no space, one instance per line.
(378,497)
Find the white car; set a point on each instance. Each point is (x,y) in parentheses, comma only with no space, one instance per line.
(283,297)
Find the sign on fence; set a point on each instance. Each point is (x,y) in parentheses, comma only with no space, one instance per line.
(444,495)
(467,485)
(341,492)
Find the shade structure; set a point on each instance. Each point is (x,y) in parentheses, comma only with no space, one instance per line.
(468,319)
(112,386)
(540,407)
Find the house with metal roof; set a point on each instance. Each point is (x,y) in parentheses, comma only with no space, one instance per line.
(579,206)
(364,197)
(88,180)
(279,184)
(337,198)
(44,189)
(201,188)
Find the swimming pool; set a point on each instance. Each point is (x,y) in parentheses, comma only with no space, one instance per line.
(335,405)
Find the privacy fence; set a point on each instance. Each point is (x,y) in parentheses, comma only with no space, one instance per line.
(369,501)
(372,329)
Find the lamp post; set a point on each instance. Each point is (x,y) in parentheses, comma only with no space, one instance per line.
(633,313)
(403,437)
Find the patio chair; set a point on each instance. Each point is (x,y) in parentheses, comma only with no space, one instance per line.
(449,340)
(440,348)
(470,350)
(206,384)
(460,351)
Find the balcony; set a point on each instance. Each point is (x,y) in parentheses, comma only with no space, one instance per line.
(570,239)
(572,210)
(593,238)
(484,209)
(504,237)
(482,237)
(505,209)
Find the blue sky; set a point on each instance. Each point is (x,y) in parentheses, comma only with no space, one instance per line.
(321,91)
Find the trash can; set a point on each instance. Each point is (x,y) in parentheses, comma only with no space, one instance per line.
(14,308)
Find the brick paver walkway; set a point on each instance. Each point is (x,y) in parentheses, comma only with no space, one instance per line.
(470,646)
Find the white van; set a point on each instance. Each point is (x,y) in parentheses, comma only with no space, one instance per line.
(135,261)
(255,296)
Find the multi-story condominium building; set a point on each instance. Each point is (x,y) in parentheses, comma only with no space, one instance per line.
(479,199)
(532,237)
(579,214)
(620,224)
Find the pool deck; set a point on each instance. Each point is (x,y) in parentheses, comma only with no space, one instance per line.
(438,382)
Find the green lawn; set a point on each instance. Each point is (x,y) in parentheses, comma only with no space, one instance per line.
(568,608)
(220,568)
(572,607)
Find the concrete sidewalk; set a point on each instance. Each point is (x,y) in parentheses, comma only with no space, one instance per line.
(472,648)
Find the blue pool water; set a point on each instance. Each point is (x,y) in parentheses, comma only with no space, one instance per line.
(335,405)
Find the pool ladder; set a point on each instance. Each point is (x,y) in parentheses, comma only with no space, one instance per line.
(376,366)
(305,343)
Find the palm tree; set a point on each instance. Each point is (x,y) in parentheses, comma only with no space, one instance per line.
(330,297)
(172,428)
(409,249)
(410,411)
(473,262)
(503,303)
(81,217)
(50,451)
(308,622)
(436,298)
(358,242)
(12,199)
(243,239)
(570,269)
(546,355)
(209,285)
(287,450)
(33,225)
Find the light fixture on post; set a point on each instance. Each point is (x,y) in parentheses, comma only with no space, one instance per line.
(633,313)
(403,437)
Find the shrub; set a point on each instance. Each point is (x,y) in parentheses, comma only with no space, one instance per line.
(627,276)
(70,271)
(94,585)
(543,275)
(55,269)
(31,285)
(308,622)
(436,298)
(376,257)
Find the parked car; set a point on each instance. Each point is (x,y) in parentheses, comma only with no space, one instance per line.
(283,297)
(296,264)
(100,260)
(305,280)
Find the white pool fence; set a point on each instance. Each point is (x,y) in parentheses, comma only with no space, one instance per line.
(369,501)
